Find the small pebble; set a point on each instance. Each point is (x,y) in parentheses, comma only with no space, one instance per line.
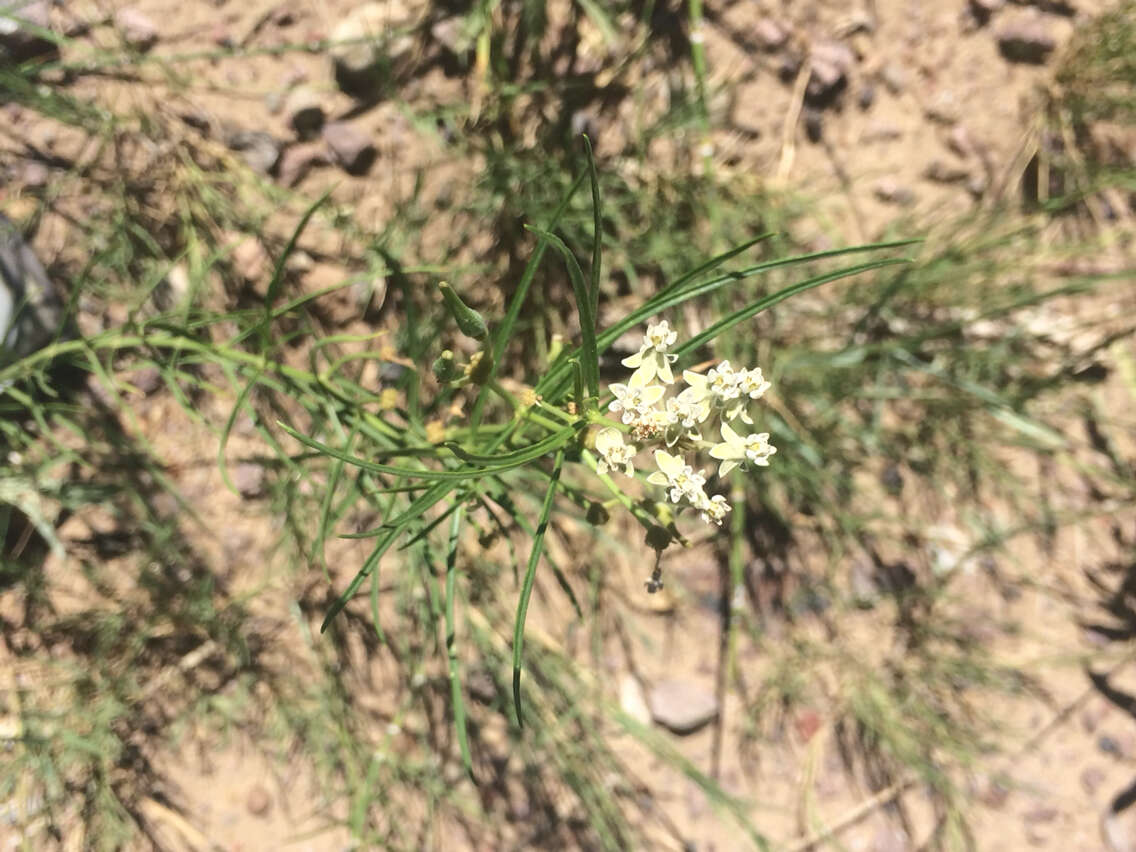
(1092,778)
(304,109)
(250,480)
(258,802)
(137,30)
(682,706)
(1026,38)
(350,147)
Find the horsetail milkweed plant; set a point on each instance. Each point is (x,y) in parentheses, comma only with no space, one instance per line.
(562,418)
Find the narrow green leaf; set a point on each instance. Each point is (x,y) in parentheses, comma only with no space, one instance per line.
(530,576)
(337,606)
(505,330)
(328,500)
(577,384)
(769,301)
(554,380)
(589,354)
(451,644)
(540,448)
(278,273)
(376,622)
(393,531)
(597,229)
(410,472)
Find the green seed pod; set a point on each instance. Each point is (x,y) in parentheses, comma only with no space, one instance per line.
(469,321)
(445,370)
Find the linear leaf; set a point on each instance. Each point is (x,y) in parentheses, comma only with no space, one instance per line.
(451,643)
(597,230)
(535,451)
(410,472)
(769,301)
(505,329)
(530,576)
(589,354)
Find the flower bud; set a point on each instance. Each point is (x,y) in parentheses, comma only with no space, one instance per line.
(469,321)
(445,370)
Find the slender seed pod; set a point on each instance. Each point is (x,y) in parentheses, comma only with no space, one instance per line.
(469,321)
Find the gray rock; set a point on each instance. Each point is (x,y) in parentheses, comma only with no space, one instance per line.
(829,65)
(943,107)
(894,76)
(770,34)
(136,29)
(939,172)
(882,131)
(867,96)
(451,34)
(888,838)
(983,9)
(893,192)
(258,149)
(865,593)
(249,479)
(298,160)
(258,802)
(682,706)
(147,379)
(959,141)
(1091,779)
(350,147)
(304,111)
(18,43)
(34,174)
(1026,38)
(31,310)
(368,44)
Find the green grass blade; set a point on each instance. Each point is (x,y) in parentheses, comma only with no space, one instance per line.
(526,589)
(589,353)
(278,273)
(451,643)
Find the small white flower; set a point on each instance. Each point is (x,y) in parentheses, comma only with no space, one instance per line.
(735,449)
(614,454)
(636,397)
(652,357)
(674,473)
(753,383)
(714,510)
(723,382)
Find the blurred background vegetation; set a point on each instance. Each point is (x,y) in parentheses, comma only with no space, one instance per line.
(169,552)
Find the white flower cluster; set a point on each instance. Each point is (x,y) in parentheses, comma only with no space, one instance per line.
(677,421)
